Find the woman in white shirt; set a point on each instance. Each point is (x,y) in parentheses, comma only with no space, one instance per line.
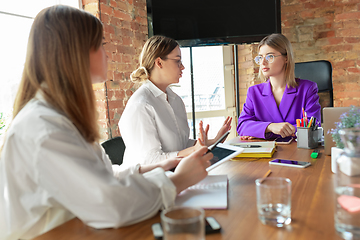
(154,124)
(52,167)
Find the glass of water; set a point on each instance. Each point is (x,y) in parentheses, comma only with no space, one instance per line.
(273,195)
(181,223)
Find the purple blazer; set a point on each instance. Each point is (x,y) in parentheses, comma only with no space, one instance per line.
(260,108)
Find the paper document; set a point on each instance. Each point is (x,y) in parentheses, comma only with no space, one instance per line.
(210,193)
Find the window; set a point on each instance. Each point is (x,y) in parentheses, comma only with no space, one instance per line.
(16,18)
(213,87)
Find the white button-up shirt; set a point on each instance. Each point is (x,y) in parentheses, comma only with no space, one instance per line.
(50,174)
(154,125)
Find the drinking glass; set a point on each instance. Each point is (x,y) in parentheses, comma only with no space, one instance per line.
(273,197)
(183,223)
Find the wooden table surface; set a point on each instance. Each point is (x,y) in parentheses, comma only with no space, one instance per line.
(312,204)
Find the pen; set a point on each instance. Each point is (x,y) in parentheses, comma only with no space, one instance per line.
(266,175)
(250,146)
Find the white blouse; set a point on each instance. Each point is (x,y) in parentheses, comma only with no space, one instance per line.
(154,125)
(50,174)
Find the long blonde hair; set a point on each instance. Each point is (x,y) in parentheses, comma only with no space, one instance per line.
(154,47)
(280,43)
(57,63)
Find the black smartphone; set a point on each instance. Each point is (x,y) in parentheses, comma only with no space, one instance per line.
(211,226)
(223,137)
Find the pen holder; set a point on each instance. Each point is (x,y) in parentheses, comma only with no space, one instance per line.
(307,138)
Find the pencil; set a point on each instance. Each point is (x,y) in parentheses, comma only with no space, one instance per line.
(266,175)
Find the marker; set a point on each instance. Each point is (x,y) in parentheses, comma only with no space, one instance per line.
(315,153)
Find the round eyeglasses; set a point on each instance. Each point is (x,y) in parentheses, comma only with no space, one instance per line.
(177,61)
(269,58)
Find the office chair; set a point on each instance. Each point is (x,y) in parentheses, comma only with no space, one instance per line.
(321,73)
(115,148)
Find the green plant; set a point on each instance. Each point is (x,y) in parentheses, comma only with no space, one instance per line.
(349,119)
(2,121)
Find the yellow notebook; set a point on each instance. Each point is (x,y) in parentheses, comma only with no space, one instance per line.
(256,149)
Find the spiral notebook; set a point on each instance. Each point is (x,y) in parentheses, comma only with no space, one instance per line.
(210,193)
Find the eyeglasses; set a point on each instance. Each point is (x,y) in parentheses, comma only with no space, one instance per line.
(269,58)
(177,61)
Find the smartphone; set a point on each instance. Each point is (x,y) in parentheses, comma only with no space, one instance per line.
(285,140)
(211,226)
(290,163)
(223,137)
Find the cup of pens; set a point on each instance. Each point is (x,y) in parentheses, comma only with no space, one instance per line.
(307,134)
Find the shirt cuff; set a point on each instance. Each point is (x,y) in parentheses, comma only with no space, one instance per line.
(119,170)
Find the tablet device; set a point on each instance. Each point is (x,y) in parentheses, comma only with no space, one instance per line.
(223,152)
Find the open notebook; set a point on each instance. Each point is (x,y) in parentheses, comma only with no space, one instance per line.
(210,193)
(263,149)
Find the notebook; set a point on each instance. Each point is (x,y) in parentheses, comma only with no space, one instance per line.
(266,149)
(210,193)
(331,115)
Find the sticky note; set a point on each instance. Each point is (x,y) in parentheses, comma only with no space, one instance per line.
(349,203)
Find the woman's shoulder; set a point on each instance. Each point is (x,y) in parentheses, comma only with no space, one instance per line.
(257,87)
(140,96)
(305,84)
(37,119)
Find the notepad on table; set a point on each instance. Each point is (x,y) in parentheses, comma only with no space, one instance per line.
(266,149)
(210,193)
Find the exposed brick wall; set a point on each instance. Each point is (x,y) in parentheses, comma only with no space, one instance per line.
(247,69)
(125,31)
(326,30)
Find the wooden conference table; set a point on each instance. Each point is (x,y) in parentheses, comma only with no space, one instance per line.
(312,200)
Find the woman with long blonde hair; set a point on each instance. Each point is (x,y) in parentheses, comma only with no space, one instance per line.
(272,107)
(52,167)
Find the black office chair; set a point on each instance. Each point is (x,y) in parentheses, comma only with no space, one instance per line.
(321,73)
(115,148)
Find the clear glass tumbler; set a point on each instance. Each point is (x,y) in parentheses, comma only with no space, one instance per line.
(273,196)
(183,223)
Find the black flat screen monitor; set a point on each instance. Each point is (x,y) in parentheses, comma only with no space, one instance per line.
(212,22)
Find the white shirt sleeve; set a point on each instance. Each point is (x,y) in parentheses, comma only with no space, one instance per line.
(81,182)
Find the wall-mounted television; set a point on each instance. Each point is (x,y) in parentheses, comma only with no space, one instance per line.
(211,22)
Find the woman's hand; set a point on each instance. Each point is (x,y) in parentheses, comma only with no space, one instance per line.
(246,137)
(224,128)
(166,165)
(191,169)
(284,129)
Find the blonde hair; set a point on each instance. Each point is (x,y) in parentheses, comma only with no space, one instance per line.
(154,47)
(58,64)
(280,43)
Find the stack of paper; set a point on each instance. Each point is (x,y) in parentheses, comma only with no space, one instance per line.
(256,149)
(210,193)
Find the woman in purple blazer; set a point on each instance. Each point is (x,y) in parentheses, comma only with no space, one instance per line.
(272,107)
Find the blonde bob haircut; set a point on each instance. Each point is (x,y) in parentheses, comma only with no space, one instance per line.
(58,63)
(280,43)
(154,47)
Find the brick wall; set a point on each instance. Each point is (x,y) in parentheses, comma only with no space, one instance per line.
(317,29)
(324,30)
(125,31)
